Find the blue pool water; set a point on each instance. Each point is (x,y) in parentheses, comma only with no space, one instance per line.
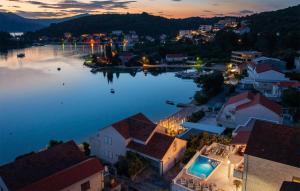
(39,103)
(203,167)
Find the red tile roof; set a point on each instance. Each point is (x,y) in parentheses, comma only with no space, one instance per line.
(29,169)
(67,177)
(240,97)
(157,146)
(290,186)
(289,84)
(261,100)
(241,138)
(260,68)
(137,126)
(275,142)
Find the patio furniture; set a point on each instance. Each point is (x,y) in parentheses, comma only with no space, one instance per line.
(198,187)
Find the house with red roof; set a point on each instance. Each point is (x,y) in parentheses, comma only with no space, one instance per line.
(262,76)
(60,168)
(272,158)
(138,134)
(242,107)
(279,87)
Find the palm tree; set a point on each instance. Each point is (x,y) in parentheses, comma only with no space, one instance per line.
(237,184)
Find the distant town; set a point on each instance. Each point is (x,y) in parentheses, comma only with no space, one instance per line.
(240,131)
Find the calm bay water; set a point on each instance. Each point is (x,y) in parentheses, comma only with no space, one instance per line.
(39,103)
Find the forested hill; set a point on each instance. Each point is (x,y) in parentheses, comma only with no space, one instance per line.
(284,20)
(143,24)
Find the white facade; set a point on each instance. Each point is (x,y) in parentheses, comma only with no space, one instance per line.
(258,112)
(205,28)
(230,117)
(238,57)
(108,145)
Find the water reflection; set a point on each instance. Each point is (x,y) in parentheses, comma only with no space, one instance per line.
(39,103)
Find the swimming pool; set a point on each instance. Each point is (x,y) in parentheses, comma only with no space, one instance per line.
(202,167)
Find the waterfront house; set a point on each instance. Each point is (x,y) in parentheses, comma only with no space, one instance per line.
(205,28)
(263,76)
(238,57)
(176,58)
(278,88)
(271,157)
(242,107)
(60,168)
(138,134)
(125,57)
(280,64)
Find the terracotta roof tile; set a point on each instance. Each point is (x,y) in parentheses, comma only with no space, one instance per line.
(137,126)
(262,100)
(27,170)
(275,142)
(240,97)
(260,68)
(241,138)
(157,146)
(67,177)
(289,84)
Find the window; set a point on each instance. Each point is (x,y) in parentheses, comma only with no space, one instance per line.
(85,186)
(107,140)
(108,154)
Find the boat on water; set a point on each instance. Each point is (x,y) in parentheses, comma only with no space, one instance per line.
(182,105)
(21,55)
(170,102)
(112,91)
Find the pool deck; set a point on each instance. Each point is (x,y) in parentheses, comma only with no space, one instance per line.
(220,179)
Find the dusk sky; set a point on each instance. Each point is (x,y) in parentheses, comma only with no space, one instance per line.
(166,8)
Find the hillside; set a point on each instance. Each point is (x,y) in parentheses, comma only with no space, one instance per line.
(281,21)
(11,22)
(142,23)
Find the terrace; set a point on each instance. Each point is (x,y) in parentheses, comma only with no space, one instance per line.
(218,168)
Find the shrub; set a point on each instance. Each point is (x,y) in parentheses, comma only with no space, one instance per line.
(195,117)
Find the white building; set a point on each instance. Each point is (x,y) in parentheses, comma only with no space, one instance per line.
(240,108)
(117,32)
(279,87)
(238,57)
(61,168)
(205,28)
(176,58)
(138,134)
(263,76)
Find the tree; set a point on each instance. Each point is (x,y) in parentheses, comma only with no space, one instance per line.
(291,98)
(237,184)
(86,148)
